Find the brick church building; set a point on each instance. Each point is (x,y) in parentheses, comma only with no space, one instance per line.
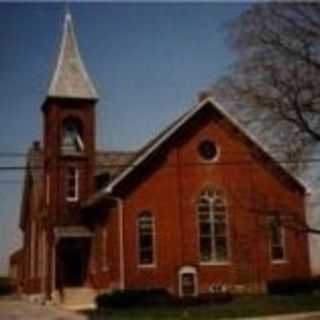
(197,209)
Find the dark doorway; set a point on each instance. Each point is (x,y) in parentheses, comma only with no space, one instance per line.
(72,261)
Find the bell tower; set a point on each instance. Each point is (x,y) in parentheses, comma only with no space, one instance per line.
(69,133)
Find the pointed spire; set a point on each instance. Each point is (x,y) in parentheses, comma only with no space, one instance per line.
(70,78)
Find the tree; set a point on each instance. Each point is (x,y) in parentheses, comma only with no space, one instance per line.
(277,73)
(274,84)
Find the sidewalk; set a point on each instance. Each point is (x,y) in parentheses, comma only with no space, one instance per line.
(14,309)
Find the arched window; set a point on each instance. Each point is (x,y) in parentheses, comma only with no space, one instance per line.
(146,238)
(72,136)
(212,217)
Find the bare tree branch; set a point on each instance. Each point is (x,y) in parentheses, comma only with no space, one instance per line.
(277,73)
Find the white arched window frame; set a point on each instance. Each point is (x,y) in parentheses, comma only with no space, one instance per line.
(146,239)
(213,227)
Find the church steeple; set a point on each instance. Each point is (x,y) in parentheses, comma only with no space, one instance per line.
(70,78)
(69,132)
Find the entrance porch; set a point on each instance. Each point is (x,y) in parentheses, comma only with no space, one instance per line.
(71,267)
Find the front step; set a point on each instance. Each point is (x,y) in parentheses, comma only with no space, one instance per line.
(79,298)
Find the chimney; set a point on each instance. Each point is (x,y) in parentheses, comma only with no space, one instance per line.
(204,94)
(36,145)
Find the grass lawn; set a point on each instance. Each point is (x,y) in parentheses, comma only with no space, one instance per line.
(239,307)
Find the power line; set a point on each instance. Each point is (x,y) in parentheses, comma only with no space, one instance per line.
(9,181)
(13,154)
(218,163)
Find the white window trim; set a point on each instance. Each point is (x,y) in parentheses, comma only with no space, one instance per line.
(93,262)
(154,253)
(80,142)
(104,249)
(39,254)
(188,270)
(32,249)
(278,261)
(47,188)
(76,186)
(214,261)
(216,158)
(43,260)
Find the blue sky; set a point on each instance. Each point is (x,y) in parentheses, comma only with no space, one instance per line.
(148,61)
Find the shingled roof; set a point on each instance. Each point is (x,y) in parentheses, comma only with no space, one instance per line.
(70,78)
(113,162)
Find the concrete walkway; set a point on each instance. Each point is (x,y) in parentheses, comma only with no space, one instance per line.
(14,309)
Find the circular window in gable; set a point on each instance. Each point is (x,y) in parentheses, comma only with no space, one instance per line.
(208,150)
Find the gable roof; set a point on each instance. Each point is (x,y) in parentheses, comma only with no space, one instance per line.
(155,143)
(70,78)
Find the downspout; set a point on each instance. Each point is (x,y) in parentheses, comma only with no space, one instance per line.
(121,241)
(307,217)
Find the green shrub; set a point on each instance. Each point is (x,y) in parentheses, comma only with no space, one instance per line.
(157,297)
(293,286)
(132,298)
(216,298)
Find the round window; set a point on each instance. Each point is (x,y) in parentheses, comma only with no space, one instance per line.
(208,150)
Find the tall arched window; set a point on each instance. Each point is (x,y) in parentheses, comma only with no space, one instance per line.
(212,217)
(72,136)
(146,238)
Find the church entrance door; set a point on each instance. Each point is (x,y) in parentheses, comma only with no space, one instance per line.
(72,261)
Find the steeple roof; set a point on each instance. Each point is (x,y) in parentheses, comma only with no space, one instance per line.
(70,78)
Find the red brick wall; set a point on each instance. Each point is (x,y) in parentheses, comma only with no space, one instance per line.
(59,211)
(30,280)
(170,192)
(55,113)
(109,278)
